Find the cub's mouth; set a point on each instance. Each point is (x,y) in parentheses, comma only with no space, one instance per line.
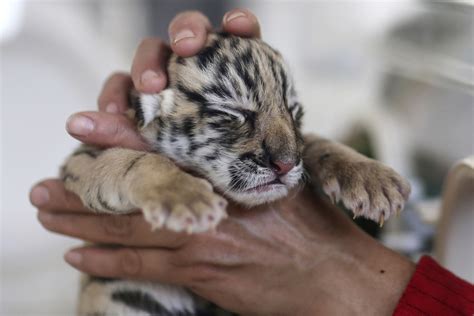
(267,190)
(252,184)
(265,187)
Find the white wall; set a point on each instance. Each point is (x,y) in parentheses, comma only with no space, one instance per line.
(54,67)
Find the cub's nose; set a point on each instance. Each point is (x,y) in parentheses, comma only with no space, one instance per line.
(282,167)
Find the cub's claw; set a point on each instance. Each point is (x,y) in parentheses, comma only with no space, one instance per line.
(367,188)
(191,208)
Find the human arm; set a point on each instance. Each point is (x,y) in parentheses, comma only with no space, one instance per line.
(110,129)
(300,255)
(297,296)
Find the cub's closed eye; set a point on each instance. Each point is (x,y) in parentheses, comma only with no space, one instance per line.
(231,112)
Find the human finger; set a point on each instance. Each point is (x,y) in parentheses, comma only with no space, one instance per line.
(188,33)
(114,95)
(105,130)
(50,194)
(125,230)
(149,65)
(241,22)
(151,264)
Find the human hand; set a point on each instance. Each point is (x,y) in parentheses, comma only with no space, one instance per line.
(188,32)
(275,260)
(299,256)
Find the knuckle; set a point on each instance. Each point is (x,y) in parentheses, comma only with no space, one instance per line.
(180,260)
(202,274)
(190,254)
(112,82)
(124,134)
(149,41)
(146,55)
(117,226)
(187,18)
(180,240)
(130,262)
(112,86)
(118,75)
(71,200)
(119,126)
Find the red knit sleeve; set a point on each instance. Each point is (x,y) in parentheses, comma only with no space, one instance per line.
(434,290)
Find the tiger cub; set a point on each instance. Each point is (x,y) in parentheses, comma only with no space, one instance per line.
(231,116)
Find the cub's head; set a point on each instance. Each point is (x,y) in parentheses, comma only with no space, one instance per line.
(230,114)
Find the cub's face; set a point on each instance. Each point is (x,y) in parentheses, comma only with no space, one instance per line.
(231,115)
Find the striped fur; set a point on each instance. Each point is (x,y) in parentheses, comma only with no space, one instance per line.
(234,113)
(231,116)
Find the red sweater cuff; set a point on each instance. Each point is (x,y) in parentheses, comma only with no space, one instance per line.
(433,290)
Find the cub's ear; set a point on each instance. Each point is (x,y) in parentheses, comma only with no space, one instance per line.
(296,110)
(147,107)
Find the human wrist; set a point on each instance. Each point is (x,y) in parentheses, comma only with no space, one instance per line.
(361,277)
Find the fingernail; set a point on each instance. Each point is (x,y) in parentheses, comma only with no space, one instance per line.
(150,78)
(183,34)
(79,125)
(39,195)
(232,16)
(45,218)
(112,108)
(73,257)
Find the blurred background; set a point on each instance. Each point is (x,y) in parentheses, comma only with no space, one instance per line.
(393,79)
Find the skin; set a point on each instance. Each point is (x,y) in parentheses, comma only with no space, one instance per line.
(298,256)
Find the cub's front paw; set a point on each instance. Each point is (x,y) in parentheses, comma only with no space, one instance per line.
(185,203)
(368,188)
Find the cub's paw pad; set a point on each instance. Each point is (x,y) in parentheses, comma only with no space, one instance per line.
(192,208)
(195,217)
(367,188)
(155,214)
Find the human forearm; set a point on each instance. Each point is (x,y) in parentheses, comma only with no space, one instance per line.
(348,272)
(367,279)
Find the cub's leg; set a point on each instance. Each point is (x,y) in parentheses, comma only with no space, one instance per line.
(113,297)
(365,186)
(121,180)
